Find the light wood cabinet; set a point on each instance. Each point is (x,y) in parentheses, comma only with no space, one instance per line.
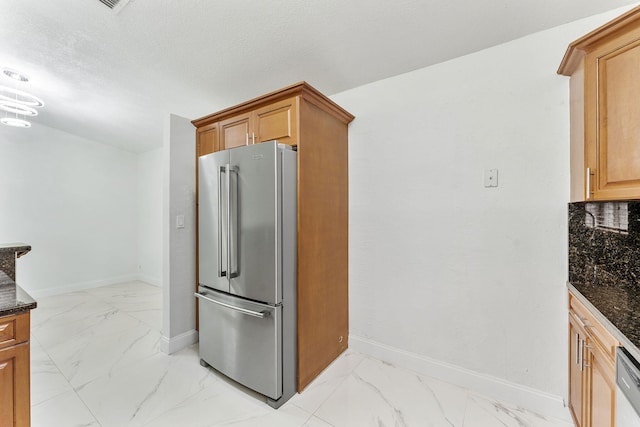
(235,131)
(605,104)
(592,375)
(577,374)
(15,406)
(301,116)
(207,139)
(277,120)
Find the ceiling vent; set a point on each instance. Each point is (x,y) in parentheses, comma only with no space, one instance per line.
(110,3)
(115,5)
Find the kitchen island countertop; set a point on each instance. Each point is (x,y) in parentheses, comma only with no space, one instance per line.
(13,299)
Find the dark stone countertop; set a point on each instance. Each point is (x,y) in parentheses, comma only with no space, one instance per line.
(13,299)
(18,248)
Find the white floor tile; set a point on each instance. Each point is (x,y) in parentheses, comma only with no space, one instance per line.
(65,410)
(46,379)
(316,422)
(139,392)
(327,382)
(378,394)
(118,341)
(485,412)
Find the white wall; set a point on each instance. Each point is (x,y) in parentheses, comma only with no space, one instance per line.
(74,201)
(446,275)
(149,210)
(179,244)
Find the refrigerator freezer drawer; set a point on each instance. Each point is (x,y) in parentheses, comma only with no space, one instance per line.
(242,339)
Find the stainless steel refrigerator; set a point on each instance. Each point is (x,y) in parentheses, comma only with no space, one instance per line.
(247,212)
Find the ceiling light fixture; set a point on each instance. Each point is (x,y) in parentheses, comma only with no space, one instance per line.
(19,96)
(17,102)
(15,122)
(16,108)
(15,74)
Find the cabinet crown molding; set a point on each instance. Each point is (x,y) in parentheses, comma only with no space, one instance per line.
(303,89)
(579,48)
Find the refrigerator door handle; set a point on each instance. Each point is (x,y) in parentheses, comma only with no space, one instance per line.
(259,314)
(232,221)
(221,273)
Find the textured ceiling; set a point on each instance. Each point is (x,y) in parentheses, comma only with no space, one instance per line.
(114,75)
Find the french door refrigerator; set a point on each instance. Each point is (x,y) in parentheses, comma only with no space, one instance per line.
(247,248)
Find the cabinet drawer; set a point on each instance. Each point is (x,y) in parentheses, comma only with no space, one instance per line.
(14,330)
(595,329)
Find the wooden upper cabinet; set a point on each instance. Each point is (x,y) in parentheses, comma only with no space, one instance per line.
(235,131)
(207,139)
(277,121)
(605,104)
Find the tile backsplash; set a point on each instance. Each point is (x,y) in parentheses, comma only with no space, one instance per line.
(604,243)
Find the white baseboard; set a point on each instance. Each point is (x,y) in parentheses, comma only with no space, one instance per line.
(177,343)
(80,286)
(149,280)
(535,400)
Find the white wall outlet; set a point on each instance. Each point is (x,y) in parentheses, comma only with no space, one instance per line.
(491,177)
(180,221)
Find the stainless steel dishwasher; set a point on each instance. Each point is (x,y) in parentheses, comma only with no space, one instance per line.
(627,389)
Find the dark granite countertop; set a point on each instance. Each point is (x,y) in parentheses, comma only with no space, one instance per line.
(619,305)
(13,299)
(18,248)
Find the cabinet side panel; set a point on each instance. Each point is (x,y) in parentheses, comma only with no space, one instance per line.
(323,216)
(577,154)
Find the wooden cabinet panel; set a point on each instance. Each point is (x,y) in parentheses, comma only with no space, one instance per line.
(277,121)
(605,102)
(323,217)
(619,128)
(576,373)
(234,132)
(15,409)
(7,377)
(602,388)
(207,140)
(13,330)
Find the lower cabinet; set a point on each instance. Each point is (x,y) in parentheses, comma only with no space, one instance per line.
(592,373)
(15,405)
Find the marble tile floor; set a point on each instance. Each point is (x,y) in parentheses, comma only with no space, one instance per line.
(96,362)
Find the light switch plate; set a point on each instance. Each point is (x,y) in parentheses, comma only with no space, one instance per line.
(491,177)
(180,221)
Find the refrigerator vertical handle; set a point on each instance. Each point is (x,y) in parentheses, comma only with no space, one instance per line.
(232,221)
(221,273)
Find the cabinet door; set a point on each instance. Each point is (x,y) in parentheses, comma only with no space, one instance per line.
(277,121)
(15,407)
(577,375)
(602,387)
(234,132)
(616,127)
(207,139)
